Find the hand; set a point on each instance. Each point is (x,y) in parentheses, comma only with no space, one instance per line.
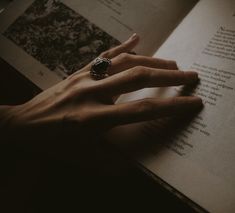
(86,107)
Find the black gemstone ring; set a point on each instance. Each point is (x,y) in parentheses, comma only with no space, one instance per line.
(99,68)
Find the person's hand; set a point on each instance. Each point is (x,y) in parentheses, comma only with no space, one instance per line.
(86,107)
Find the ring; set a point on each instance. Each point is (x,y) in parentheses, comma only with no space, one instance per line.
(99,68)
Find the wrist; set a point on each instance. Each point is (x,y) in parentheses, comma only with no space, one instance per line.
(8,121)
(6,116)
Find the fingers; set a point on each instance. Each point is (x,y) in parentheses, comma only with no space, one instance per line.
(144,77)
(150,109)
(126,61)
(122,60)
(125,47)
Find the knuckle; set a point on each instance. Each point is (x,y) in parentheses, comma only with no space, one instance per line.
(82,114)
(74,80)
(82,118)
(105,54)
(140,74)
(85,117)
(125,57)
(141,70)
(146,105)
(73,77)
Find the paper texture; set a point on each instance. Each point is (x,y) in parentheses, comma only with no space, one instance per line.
(199,160)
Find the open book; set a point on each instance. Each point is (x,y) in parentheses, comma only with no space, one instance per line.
(50,39)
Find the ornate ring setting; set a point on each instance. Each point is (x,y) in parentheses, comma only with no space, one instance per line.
(99,68)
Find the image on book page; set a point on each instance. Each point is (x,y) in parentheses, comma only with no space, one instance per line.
(48,40)
(58,37)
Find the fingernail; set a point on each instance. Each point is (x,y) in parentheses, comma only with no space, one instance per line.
(132,38)
(192,76)
(175,63)
(197,101)
(172,65)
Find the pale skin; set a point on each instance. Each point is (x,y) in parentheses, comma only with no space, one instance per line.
(82,105)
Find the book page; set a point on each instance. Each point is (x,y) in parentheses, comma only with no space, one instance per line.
(48,40)
(199,159)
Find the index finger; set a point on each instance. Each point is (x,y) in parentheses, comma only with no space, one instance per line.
(125,47)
